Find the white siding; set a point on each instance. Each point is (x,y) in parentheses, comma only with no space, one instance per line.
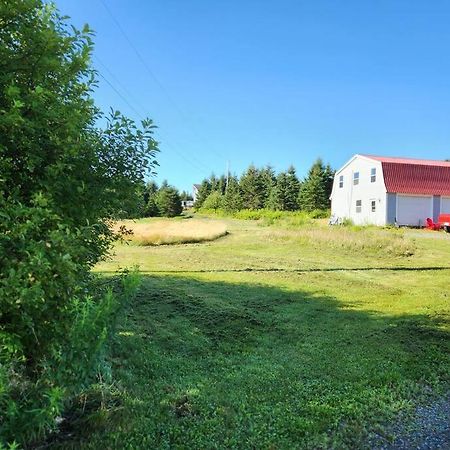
(445,205)
(343,199)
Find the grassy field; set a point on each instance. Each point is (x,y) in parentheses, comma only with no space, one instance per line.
(275,338)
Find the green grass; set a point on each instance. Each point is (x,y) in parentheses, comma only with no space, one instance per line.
(275,338)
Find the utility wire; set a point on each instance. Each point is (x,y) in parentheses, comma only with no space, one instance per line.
(121,96)
(152,74)
(195,164)
(122,86)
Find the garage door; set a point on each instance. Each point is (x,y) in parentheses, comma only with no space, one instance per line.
(445,205)
(412,210)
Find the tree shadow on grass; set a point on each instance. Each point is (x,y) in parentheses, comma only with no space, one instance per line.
(213,364)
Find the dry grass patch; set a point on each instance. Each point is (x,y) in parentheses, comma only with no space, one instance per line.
(166,231)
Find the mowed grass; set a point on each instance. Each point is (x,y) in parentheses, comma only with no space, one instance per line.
(166,231)
(276,338)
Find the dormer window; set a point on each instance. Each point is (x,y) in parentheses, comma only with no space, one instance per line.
(356,178)
(373,174)
(341,181)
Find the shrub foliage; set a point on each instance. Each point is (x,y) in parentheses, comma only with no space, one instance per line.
(62,181)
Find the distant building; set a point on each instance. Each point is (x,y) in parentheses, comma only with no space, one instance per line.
(195,189)
(381,190)
(186,204)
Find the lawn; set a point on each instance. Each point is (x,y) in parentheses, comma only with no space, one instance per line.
(275,337)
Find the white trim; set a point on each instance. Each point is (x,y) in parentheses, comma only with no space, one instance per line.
(353,158)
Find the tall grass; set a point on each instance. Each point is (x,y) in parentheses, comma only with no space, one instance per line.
(309,231)
(166,232)
(353,240)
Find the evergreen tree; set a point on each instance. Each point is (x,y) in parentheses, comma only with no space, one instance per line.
(186,196)
(252,189)
(232,200)
(268,182)
(168,201)
(292,190)
(316,188)
(222,184)
(150,208)
(214,182)
(329,178)
(203,192)
(284,196)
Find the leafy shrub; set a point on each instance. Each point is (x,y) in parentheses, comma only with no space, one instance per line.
(62,182)
(53,322)
(271,217)
(214,201)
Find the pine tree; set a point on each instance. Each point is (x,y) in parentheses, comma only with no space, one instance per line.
(292,190)
(329,178)
(316,188)
(232,200)
(150,208)
(252,188)
(186,196)
(222,184)
(284,196)
(168,201)
(268,181)
(203,192)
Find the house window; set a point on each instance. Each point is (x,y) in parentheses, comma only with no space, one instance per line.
(373,174)
(358,206)
(341,181)
(373,205)
(356,178)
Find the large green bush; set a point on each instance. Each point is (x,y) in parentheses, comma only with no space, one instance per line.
(214,201)
(62,182)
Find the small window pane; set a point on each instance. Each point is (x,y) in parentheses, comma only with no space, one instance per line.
(341,181)
(373,205)
(358,206)
(356,178)
(373,175)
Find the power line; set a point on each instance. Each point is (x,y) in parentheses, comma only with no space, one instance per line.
(121,96)
(152,74)
(200,167)
(117,81)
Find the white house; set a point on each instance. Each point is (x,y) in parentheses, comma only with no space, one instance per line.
(195,188)
(382,190)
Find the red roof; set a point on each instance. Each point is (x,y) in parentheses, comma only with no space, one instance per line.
(415,176)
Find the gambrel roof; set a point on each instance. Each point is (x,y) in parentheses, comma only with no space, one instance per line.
(415,176)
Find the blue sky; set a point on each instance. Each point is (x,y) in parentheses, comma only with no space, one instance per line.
(275,82)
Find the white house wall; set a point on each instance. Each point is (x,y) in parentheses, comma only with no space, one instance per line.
(343,200)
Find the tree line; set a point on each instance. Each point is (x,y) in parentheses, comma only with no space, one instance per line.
(259,188)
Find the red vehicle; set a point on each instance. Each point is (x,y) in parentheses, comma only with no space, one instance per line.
(444,222)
